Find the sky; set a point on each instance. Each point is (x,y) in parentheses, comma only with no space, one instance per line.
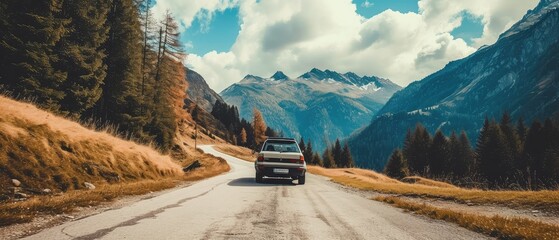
(402,40)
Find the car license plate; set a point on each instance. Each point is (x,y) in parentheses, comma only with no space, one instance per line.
(281,171)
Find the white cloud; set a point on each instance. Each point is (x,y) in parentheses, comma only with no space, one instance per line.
(297,35)
(367,4)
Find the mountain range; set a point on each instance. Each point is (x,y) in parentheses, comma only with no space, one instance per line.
(318,105)
(519,74)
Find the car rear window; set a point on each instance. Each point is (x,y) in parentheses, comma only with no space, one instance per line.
(281,146)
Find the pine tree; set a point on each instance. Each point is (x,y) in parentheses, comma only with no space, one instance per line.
(328,159)
(82,54)
(347,160)
(259,127)
(408,141)
(316,160)
(492,154)
(308,153)
(30,65)
(120,102)
(337,153)
(533,155)
(511,146)
(302,145)
(417,150)
(482,142)
(466,164)
(439,155)
(551,158)
(521,130)
(396,165)
(456,167)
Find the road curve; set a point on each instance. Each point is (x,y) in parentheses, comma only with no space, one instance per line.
(233,206)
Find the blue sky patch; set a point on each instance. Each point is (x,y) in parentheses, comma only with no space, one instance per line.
(369,8)
(471,28)
(219,35)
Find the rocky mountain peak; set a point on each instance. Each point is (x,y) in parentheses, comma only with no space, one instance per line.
(279,75)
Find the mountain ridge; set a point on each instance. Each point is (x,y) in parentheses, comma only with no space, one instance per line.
(200,92)
(336,103)
(517,74)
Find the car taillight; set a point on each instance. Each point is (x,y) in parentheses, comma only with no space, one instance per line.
(260,158)
(301,159)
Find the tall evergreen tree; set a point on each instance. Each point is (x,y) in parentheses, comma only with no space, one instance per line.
(328,159)
(302,144)
(269,132)
(491,156)
(30,65)
(308,153)
(347,159)
(396,165)
(439,155)
(550,171)
(511,146)
(316,160)
(466,164)
(417,153)
(82,54)
(456,168)
(337,153)
(521,130)
(533,155)
(120,102)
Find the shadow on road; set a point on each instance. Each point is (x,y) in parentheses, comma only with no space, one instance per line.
(249,182)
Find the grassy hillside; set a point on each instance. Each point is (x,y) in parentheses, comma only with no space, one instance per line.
(45,151)
(53,158)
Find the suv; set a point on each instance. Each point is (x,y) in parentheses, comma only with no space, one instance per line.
(280,157)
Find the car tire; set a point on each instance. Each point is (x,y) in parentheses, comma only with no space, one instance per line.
(259,178)
(302,180)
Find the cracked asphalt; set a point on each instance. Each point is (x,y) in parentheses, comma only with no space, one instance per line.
(233,206)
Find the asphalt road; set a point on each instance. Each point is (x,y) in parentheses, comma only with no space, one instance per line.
(233,206)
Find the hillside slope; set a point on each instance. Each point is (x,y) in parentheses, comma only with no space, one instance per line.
(517,74)
(198,91)
(318,105)
(44,151)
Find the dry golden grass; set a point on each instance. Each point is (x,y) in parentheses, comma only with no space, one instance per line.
(427,182)
(542,200)
(495,226)
(25,211)
(239,152)
(211,166)
(46,151)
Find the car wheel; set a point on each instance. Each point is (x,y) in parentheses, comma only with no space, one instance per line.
(258,177)
(302,180)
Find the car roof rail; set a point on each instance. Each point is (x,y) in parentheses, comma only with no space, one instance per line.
(281,138)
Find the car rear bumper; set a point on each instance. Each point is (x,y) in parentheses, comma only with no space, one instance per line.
(267,169)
